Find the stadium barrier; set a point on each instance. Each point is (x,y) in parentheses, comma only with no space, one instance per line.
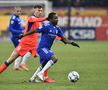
(81,33)
(86,26)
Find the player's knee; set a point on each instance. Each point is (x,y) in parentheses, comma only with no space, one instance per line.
(55,59)
(13,56)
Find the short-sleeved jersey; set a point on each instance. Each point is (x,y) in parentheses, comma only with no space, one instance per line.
(15,25)
(49,33)
(32,24)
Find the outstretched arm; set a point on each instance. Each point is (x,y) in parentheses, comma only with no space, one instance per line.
(27,33)
(41,29)
(11,29)
(67,41)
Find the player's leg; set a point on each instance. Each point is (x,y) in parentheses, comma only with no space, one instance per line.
(25,57)
(20,50)
(49,57)
(46,76)
(23,63)
(16,64)
(49,64)
(15,42)
(46,72)
(10,60)
(33,78)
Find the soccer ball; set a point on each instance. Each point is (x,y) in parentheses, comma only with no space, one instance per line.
(73,76)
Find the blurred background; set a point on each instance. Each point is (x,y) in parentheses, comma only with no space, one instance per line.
(83,20)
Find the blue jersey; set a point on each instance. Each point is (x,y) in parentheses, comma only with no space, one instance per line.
(15,25)
(49,33)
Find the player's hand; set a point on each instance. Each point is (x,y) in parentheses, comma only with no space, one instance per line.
(75,44)
(20,36)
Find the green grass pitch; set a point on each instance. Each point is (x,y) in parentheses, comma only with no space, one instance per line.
(90,61)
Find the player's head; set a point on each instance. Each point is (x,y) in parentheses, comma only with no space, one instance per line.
(17,10)
(37,11)
(53,17)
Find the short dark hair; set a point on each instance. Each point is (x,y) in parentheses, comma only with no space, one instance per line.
(38,6)
(50,15)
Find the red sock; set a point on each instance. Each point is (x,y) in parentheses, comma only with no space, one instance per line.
(3,67)
(46,74)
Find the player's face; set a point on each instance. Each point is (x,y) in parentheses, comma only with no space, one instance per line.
(38,12)
(55,20)
(17,10)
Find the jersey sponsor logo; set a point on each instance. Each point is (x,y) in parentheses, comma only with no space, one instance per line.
(87,21)
(82,33)
(53,35)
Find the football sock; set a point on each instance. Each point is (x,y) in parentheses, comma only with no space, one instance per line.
(17,61)
(37,71)
(47,66)
(4,66)
(25,58)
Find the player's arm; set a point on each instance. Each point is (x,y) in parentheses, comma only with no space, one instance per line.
(37,30)
(67,41)
(27,33)
(11,29)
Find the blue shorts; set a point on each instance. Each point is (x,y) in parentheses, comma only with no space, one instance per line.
(15,41)
(44,55)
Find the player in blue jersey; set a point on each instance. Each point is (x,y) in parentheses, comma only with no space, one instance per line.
(16,28)
(49,32)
